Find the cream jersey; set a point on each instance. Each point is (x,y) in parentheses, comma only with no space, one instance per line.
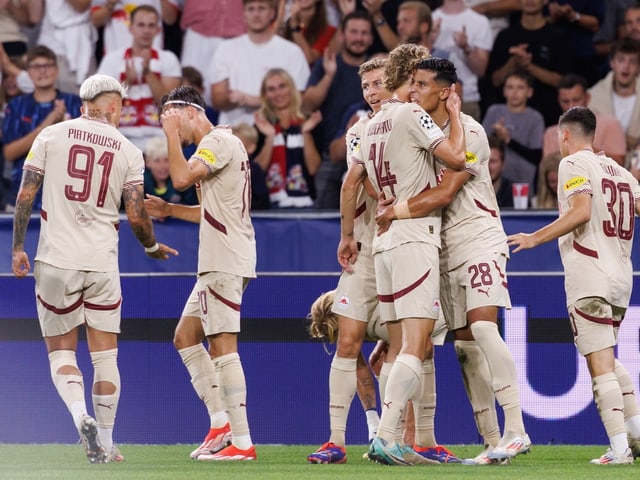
(227,239)
(86,165)
(364,224)
(471,223)
(597,255)
(395,151)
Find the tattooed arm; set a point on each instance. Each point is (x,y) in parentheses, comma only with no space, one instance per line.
(140,222)
(31,182)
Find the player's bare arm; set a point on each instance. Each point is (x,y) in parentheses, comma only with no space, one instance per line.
(183,173)
(424,203)
(133,197)
(157,207)
(31,182)
(366,384)
(348,247)
(578,214)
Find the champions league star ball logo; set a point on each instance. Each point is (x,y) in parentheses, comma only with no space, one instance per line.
(426,122)
(354,144)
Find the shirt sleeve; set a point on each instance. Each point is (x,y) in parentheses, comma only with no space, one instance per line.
(477,150)
(573,178)
(170,65)
(428,134)
(219,67)
(135,174)
(36,157)
(214,152)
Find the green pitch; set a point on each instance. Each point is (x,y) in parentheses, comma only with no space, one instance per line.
(171,462)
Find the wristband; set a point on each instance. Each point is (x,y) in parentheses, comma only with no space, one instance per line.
(401,210)
(152,249)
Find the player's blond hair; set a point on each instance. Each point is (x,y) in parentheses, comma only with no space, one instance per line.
(371,65)
(401,64)
(324,323)
(97,85)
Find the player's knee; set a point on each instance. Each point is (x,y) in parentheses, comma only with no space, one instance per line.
(347,350)
(106,373)
(183,339)
(348,345)
(63,362)
(188,333)
(104,388)
(68,370)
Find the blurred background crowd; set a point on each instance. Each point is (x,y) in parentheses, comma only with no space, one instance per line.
(284,75)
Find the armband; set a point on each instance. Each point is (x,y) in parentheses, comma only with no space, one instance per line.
(401,210)
(152,249)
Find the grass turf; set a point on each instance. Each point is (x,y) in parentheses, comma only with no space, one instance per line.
(165,462)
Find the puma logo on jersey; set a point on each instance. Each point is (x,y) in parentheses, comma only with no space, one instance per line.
(486,292)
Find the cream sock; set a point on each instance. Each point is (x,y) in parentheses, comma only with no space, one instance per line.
(343,383)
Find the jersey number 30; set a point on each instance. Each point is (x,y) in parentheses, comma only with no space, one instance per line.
(621,206)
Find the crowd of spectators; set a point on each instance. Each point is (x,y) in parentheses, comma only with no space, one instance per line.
(283,74)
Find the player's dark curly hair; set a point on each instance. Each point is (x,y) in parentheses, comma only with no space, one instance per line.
(184,93)
(324,323)
(445,69)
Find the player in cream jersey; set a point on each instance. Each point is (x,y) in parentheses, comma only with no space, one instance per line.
(472,220)
(395,152)
(226,262)
(355,300)
(598,203)
(85,166)
(394,156)
(79,228)
(602,249)
(473,268)
(225,203)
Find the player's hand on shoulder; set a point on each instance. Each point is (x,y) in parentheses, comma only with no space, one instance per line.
(20,264)
(163,252)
